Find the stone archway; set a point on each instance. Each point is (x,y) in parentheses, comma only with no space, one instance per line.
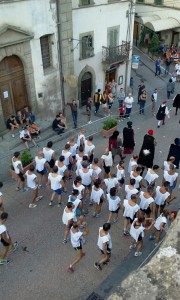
(89,77)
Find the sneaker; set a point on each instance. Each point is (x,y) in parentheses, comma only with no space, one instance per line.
(64,241)
(137,253)
(70,269)
(126,233)
(98,267)
(152,237)
(59,204)
(51,203)
(14,246)
(4,262)
(32,205)
(18,189)
(39,198)
(132,246)
(13,135)
(25,190)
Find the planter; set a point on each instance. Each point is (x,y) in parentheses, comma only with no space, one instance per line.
(27,167)
(108,133)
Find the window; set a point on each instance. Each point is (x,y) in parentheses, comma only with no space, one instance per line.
(158,2)
(87,49)
(113,36)
(86,2)
(46,51)
(140,1)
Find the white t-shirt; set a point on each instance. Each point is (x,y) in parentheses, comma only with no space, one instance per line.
(40,163)
(75,238)
(130,192)
(170,178)
(145,202)
(96,172)
(96,195)
(31,180)
(81,136)
(131,164)
(55,181)
(86,177)
(48,154)
(111,182)
(88,148)
(120,173)
(67,216)
(15,166)
(113,202)
(166,166)
(137,179)
(160,198)
(79,157)
(61,170)
(150,176)
(73,149)
(155,96)
(80,188)
(78,166)
(159,220)
(107,159)
(104,239)
(128,102)
(136,232)
(75,202)
(129,210)
(66,157)
(3,229)
(24,133)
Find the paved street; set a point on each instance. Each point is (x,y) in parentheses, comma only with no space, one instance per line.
(40,271)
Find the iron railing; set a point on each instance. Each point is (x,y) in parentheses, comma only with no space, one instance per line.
(116,54)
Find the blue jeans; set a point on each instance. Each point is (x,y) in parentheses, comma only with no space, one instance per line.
(74,116)
(142,105)
(128,112)
(158,69)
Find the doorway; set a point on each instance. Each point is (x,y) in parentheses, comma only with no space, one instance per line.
(13,93)
(86,87)
(110,76)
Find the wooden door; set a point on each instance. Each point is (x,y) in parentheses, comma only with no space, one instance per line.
(86,88)
(13,94)
(110,76)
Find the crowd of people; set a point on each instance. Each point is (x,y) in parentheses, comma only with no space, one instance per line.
(89,183)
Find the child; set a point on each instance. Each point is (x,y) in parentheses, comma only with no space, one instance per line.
(121,112)
(132,163)
(114,204)
(138,178)
(77,185)
(146,204)
(130,189)
(32,183)
(120,172)
(110,182)
(41,167)
(159,225)
(97,197)
(137,232)
(56,183)
(1,199)
(151,175)
(130,208)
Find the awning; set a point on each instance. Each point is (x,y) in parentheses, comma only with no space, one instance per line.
(144,20)
(164,24)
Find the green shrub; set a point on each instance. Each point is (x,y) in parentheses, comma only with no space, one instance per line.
(110,123)
(26,158)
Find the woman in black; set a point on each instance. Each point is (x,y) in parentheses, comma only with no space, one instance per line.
(128,138)
(174,150)
(176,103)
(146,155)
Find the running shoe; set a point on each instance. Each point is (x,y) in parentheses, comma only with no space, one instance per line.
(64,241)
(4,262)
(18,188)
(14,246)
(13,135)
(70,269)
(132,246)
(39,198)
(32,205)
(51,203)
(137,253)
(98,267)
(59,204)
(25,190)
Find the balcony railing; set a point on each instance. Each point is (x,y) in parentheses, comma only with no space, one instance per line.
(116,54)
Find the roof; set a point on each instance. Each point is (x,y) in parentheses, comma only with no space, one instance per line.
(163,24)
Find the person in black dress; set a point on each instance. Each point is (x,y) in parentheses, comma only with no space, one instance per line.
(176,103)
(174,150)
(128,138)
(146,155)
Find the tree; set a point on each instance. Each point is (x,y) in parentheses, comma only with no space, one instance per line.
(154,45)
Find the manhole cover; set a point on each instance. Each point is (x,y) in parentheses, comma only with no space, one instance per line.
(94,296)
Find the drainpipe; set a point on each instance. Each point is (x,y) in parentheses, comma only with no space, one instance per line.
(59,50)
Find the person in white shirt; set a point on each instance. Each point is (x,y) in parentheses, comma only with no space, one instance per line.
(132,163)
(76,201)
(154,100)
(146,201)
(171,176)
(138,178)
(56,183)
(104,244)
(110,182)
(130,189)
(18,168)
(73,150)
(120,172)
(162,112)
(49,154)
(114,204)
(81,138)
(41,167)
(86,175)
(96,170)
(137,232)
(107,162)
(76,242)
(128,104)
(62,170)
(32,183)
(130,208)
(162,196)
(77,185)
(89,149)
(152,176)
(97,198)
(67,159)
(25,136)
(168,163)
(159,225)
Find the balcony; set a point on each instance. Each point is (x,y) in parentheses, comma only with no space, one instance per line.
(112,55)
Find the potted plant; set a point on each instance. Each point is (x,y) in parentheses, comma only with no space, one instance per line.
(109,126)
(26,159)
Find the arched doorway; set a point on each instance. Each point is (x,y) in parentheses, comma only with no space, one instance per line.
(13,94)
(86,87)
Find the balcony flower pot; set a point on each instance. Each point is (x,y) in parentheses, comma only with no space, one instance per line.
(26,159)
(110,125)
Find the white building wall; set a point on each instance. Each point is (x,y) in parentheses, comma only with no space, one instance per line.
(98,18)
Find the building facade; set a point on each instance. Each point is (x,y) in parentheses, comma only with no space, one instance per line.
(160,16)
